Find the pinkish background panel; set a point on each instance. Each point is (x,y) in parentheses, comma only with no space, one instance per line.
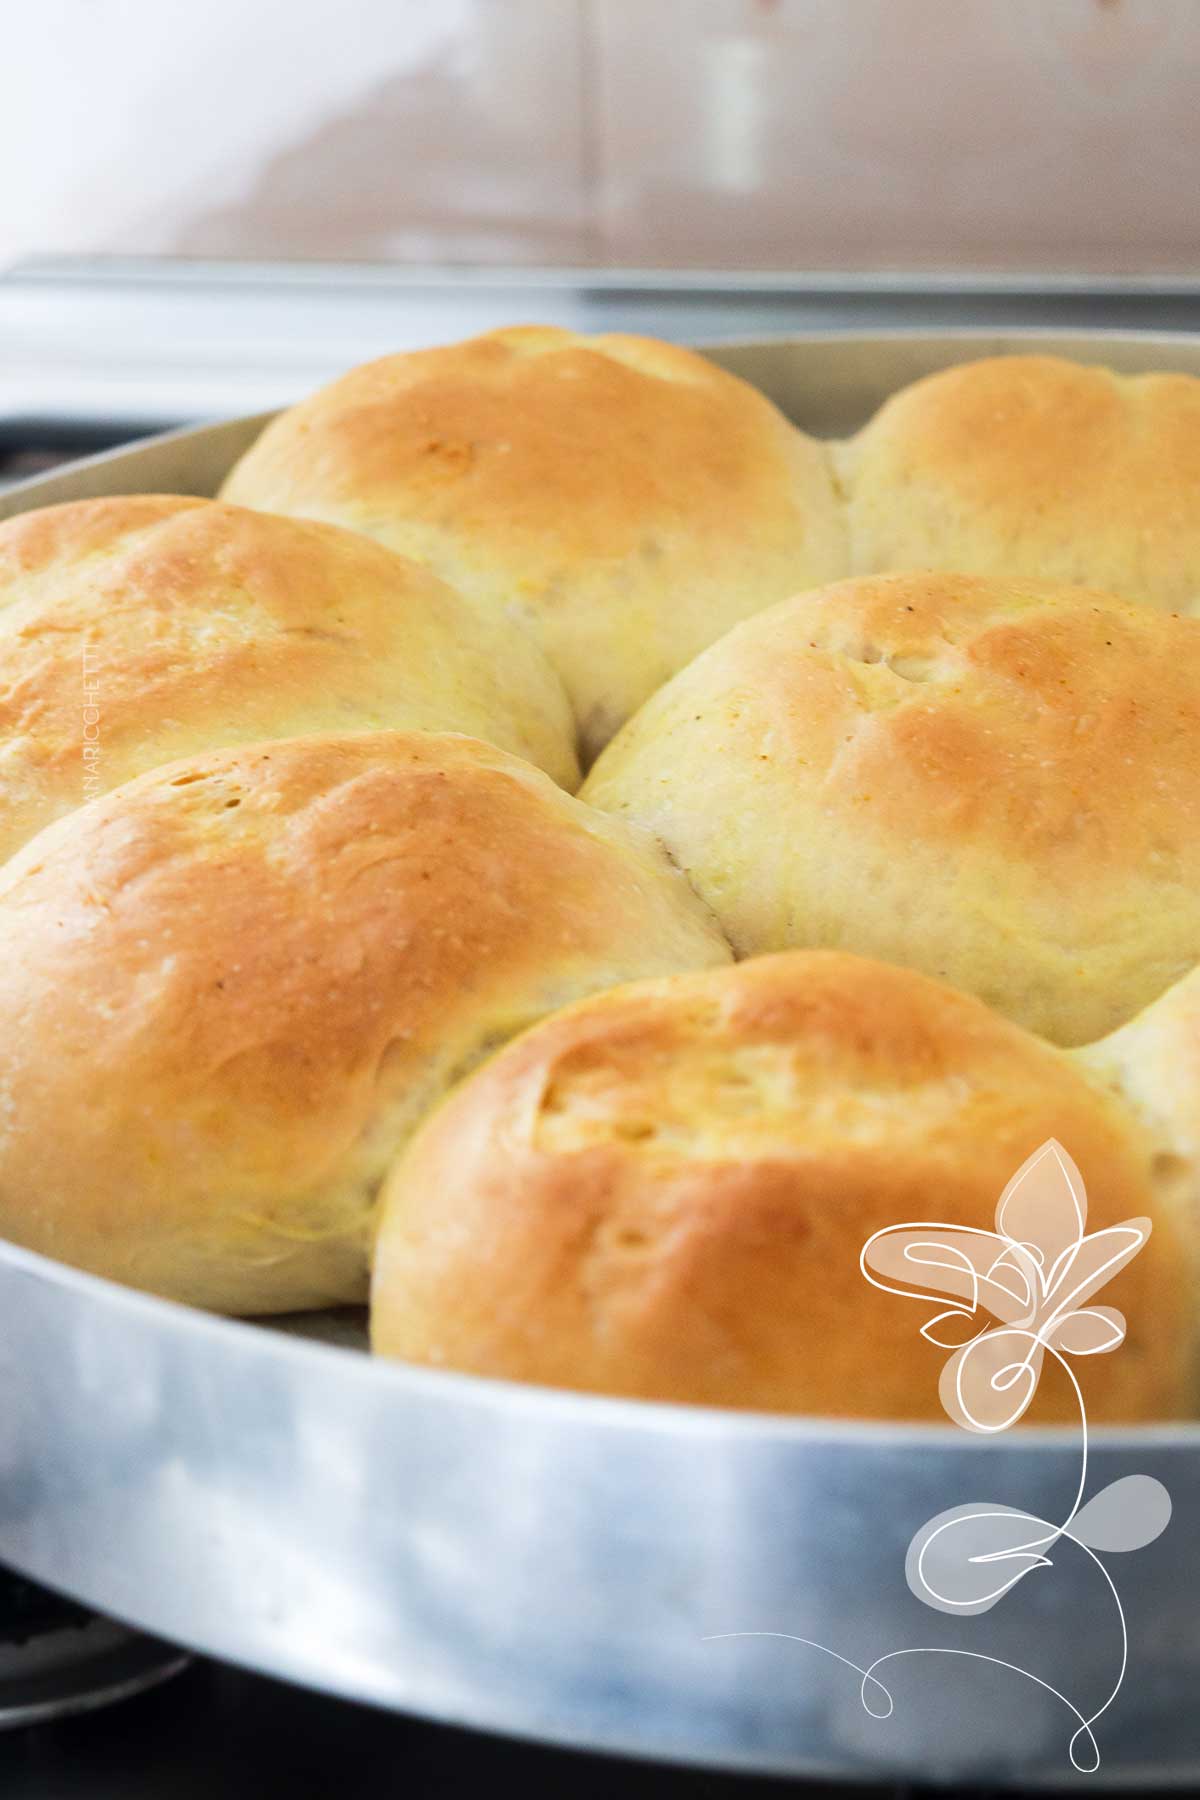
(411,130)
(1050,134)
(976,135)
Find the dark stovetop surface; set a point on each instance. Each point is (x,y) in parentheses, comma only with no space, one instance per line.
(215,1733)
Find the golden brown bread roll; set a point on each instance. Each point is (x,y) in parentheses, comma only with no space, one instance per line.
(140,629)
(997,783)
(626,498)
(663,1192)
(1038,467)
(231,988)
(1154,1062)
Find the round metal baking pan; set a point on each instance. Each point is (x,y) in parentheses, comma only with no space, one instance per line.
(661,1581)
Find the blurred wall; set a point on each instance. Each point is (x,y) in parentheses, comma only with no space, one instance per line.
(788,134)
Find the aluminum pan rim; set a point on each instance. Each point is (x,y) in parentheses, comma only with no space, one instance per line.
(610,1411)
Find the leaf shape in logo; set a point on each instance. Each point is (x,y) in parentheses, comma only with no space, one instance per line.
(988,1384)
(955,1262)
(952,1329)
(1089,1332)
(1126,1515)
(1012,1285)
(1083,1270)
(964,1560)
(1044,1206)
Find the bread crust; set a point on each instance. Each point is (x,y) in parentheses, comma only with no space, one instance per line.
(231,988)
(663,1192)
(626,498)
(1038,467)
(143,628)
(996,782)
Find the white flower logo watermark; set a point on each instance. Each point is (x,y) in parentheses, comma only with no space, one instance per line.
(1019,1294)
(1034,1274)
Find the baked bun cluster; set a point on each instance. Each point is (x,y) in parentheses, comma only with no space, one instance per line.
(316,980)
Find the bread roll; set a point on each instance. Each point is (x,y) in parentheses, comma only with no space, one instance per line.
(997,783)
(627,499)
(137,630)
(663,1192)
(1154,1061)
(1033,466)
(232,987)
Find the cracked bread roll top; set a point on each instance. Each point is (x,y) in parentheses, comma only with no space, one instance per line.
(230,989)
(626,498)
(137,630)
(1038,467)
(997,783)
(663,1192)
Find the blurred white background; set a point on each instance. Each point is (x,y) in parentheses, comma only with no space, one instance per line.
(991,135)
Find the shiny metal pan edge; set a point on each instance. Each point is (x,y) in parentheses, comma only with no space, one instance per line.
(668,1582)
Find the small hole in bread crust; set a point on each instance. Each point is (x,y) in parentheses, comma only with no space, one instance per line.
(634,1131)
(1166,1166)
